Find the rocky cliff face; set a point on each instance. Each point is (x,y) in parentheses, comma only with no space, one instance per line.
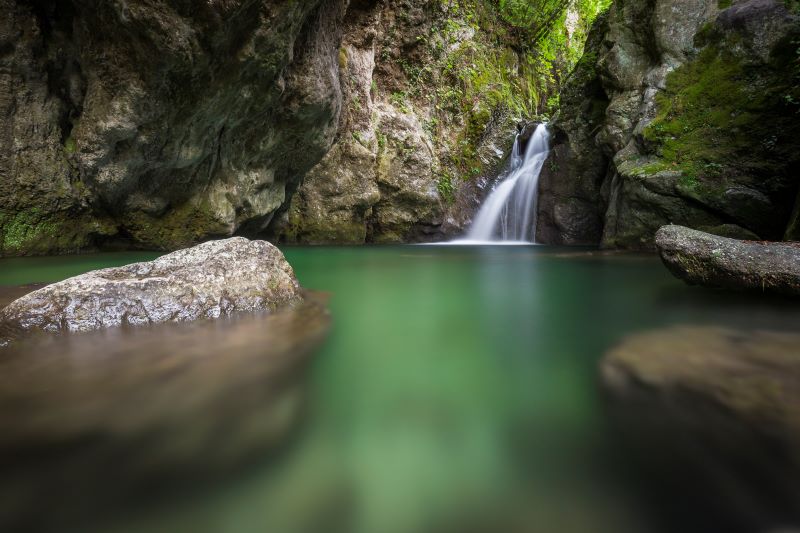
(683,112)
(405,140)
(159,123)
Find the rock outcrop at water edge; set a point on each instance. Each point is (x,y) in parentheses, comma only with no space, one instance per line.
(159,124)
(704,259)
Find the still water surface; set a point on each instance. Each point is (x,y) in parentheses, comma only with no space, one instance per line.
(457,391)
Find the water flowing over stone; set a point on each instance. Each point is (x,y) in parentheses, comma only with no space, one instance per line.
(509,214)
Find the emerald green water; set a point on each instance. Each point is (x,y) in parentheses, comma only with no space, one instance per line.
(458,391)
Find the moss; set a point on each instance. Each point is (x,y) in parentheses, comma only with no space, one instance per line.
(70,146)
(182,226)
(648,169)
(343,58)
(446,188)
(688,182)
(719,118)
(36,232)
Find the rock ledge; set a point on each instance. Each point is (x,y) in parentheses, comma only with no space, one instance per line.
(700,258)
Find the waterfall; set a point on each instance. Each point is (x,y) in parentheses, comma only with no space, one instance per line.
(509,213)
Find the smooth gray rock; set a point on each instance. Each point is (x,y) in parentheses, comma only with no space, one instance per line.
(209,280)
(703,259)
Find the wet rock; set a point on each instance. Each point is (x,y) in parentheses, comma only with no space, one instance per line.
(713,413)
(207,281)
(704,259)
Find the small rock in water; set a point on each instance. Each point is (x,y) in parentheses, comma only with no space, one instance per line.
(209,280)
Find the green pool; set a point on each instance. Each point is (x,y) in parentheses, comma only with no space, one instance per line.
(458,391)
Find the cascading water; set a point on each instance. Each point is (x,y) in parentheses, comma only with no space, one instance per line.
(509,213)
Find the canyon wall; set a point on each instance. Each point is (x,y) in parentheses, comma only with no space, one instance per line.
(158,124)
(684,112)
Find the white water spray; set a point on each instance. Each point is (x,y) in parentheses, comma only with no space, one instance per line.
(509,213)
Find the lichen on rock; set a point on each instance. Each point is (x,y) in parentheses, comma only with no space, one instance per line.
(701,258)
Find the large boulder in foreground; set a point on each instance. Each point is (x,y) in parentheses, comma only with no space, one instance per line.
(700,258)
(209,280)
(715,414)
(112,422)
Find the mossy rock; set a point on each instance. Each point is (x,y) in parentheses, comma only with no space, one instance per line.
(34,232)
(732,127)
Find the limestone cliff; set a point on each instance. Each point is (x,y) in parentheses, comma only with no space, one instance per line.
(684,112)
(415,144)
(160,123)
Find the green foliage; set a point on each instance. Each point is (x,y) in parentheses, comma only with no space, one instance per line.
(70,146)
(520,53)
(446,187)
(544,42)
(535,17)
(485,60)
(400,100)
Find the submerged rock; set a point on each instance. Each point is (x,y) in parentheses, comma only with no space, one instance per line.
(209,280)
(125,418)
(703,259)
(714,413)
